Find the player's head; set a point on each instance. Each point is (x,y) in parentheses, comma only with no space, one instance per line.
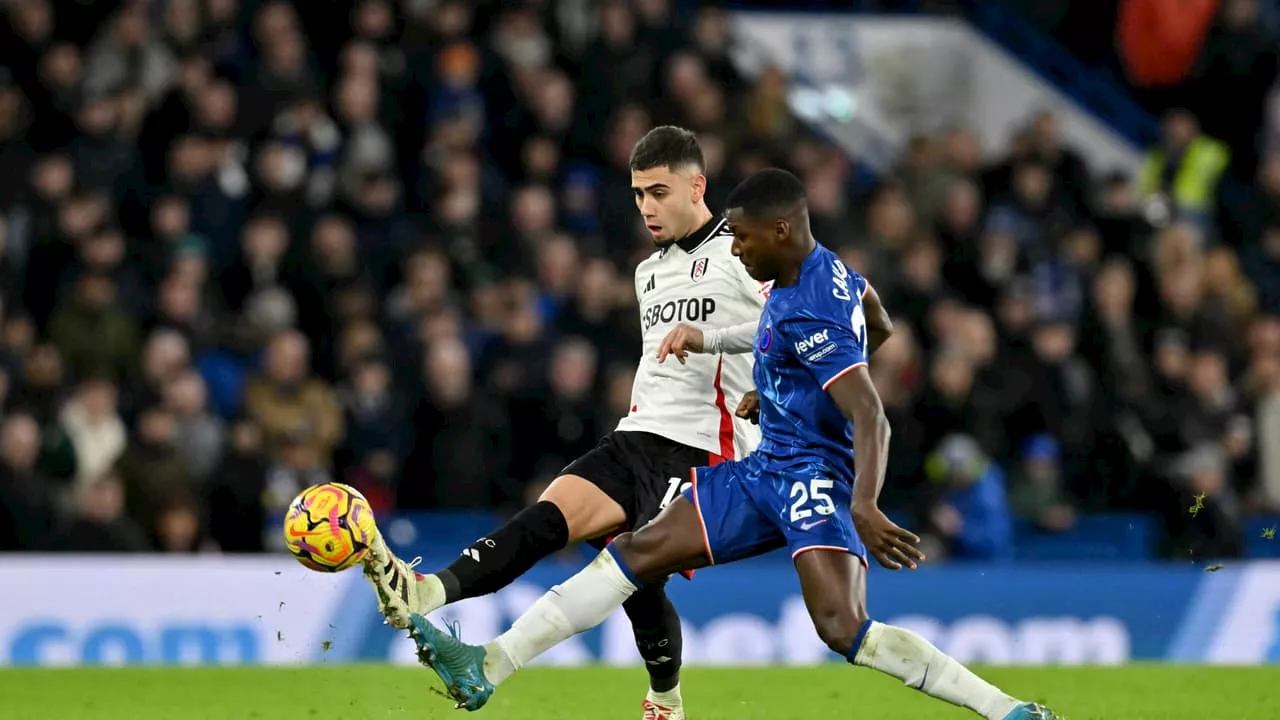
(769,217)
(668,181)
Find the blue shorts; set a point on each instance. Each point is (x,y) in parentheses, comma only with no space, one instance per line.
(746,510)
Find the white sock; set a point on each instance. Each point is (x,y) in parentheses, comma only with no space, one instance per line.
(667,699)
(576,605)
(917,663)
(431,591)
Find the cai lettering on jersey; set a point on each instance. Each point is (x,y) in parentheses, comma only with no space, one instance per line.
(811,334)
(696,281)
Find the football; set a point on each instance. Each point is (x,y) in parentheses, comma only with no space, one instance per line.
(329,527)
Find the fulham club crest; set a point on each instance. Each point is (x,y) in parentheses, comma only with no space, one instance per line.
(699,269)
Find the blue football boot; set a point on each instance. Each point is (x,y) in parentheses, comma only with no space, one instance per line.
(459,665)
(1032,711)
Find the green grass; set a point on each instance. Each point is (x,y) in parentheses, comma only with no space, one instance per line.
(367,692)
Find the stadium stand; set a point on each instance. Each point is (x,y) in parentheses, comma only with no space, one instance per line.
(249,246)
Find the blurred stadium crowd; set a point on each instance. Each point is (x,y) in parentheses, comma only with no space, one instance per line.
(248,246)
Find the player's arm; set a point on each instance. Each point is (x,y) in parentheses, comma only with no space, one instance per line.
(856,396)
(684,339)
(741,338)
(834,349)
(732,340)
(879,325)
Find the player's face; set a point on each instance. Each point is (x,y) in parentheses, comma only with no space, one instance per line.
(668,200)
(756,243)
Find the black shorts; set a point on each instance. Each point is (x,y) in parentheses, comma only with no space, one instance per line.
(641,471)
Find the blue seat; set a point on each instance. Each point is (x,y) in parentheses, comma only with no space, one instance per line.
(225,376)
(1095,537)
(441,533)
(1260,537)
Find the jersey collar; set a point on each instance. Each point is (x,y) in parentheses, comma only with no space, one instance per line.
(694,240)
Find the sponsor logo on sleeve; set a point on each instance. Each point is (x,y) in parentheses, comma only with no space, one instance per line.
(816,346)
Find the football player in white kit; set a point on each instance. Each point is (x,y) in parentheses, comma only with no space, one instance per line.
(682,416)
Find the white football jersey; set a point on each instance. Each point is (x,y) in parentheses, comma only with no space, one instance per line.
(696,281)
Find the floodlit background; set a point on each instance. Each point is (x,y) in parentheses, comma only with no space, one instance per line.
(246,247)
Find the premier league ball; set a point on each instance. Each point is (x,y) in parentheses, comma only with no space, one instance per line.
(329,527)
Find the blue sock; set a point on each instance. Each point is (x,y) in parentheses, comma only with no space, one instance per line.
(857,642)
(622,565)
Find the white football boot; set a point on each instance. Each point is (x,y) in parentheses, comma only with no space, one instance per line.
(663,706)
(401,591)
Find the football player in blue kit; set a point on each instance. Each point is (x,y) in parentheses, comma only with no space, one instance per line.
(800,489)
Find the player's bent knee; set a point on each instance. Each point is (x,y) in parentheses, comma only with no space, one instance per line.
(672,542)
(839,628)
(588,511)
(641,552)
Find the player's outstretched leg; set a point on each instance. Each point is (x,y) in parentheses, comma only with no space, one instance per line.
(671,543)
(834,586)
(571,509)
(658,638)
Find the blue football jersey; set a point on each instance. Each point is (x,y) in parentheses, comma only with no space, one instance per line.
(810,334)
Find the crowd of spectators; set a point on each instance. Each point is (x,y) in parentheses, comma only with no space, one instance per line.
(250,246)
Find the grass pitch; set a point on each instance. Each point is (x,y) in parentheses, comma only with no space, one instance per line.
(369,692)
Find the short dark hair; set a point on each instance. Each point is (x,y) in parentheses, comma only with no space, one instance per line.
(667,146)
(768,191)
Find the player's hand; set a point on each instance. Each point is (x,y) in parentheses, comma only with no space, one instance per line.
(893,547)
(749,408)
(682,340)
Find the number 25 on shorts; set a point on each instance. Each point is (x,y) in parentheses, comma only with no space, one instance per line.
(806,493)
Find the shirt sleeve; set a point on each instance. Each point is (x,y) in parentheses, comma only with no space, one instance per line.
(732,340)
(829,347)
(741,338)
